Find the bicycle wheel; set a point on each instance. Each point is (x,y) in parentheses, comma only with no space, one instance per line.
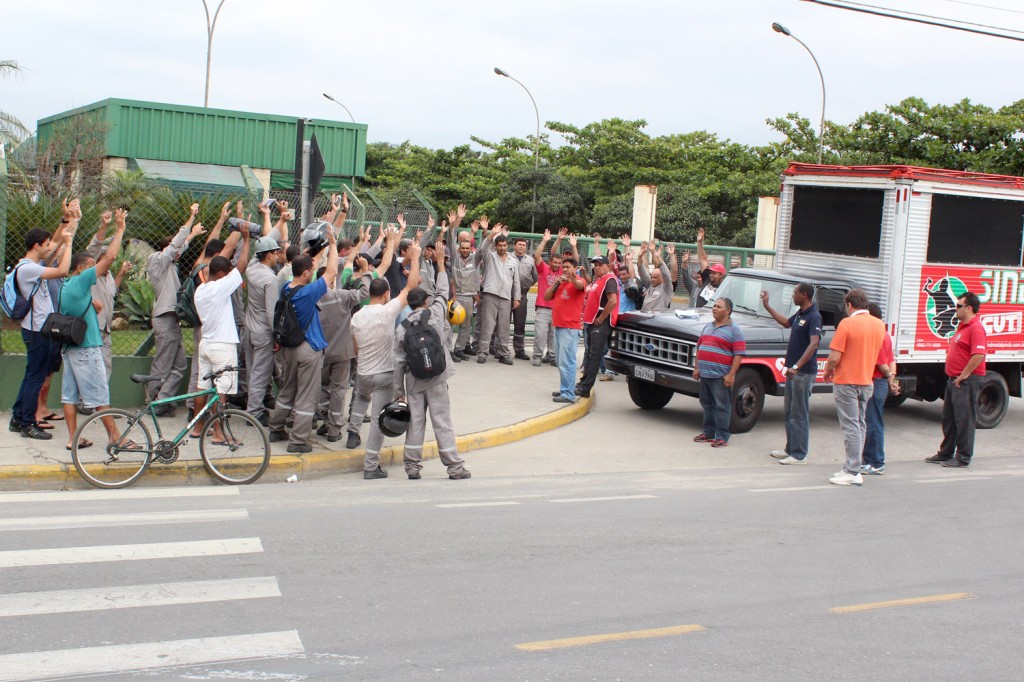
(107,463)
(243,454)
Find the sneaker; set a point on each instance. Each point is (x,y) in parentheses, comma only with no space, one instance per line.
(554,394)
(456,358)
(521,355)
(278,436)
(559,399)
(549,359)
(719,443)
(464,474)
(414,475)
(779,454)
(869,470)
(789,459)
(300,447)
(353,441)
(845,478)
(481,358)
(32,431)
(322,431)
(583,393)
(535,362)
(15,427)
(937,458)
(505,360)
(607,377)
(264,420)
(701,438)
(956,464)
(376,473)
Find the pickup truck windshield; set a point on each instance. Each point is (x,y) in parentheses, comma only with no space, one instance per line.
(745,293)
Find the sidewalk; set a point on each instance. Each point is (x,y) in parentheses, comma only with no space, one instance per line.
(492,404)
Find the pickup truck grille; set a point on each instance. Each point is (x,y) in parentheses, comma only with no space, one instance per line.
(655,348)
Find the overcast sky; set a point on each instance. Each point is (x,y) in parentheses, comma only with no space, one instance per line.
(423,71)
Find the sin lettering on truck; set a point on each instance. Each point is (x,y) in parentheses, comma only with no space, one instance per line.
(1001,292)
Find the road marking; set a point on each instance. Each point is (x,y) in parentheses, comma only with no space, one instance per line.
(934,599)
(786,490)
(947,479)
(610,637)
(131,596)
(135,493)
(478,504)
(603,499)
(122,657)
(140,519)
(156,550)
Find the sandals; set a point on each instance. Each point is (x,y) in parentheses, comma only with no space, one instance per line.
(127,445)
(53,417)
(83,443)
(236,443)
(44,426)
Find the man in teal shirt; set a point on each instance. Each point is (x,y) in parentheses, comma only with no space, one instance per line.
(85,375)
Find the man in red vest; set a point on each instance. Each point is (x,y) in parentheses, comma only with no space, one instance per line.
(600,312)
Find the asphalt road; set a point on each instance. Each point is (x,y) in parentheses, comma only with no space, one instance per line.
(610,549)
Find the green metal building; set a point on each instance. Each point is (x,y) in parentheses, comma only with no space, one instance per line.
(192,146)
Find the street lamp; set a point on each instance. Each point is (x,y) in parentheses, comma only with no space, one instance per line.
(210,26)
(342,106)
(536,147)
(779,28)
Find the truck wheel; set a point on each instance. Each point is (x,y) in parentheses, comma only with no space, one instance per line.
(648,396)
(747,400)
(993,399)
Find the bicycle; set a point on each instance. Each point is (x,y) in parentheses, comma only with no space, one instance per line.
(233,460)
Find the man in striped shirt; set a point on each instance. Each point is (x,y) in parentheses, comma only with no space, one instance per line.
(719,352)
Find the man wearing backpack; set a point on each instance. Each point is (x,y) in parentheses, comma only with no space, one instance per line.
(373,328)
(29,279)
(302,363)
(422,388)
(162,269)
(85,376)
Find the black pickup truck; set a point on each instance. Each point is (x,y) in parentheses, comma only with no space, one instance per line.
(657,351)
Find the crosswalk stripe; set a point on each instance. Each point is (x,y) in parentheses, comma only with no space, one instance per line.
(132,596)
(123,657)
(609,498)
(155,550)
(477,504)
(139,519)
(132,494)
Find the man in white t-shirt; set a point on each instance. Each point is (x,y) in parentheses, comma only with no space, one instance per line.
(373,329)
(219,346)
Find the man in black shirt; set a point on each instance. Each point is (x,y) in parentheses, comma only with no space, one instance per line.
(800,370)
(711,276)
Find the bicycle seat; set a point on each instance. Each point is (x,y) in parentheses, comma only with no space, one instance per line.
(145,378)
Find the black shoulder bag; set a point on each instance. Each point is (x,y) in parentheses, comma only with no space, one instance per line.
(67,330)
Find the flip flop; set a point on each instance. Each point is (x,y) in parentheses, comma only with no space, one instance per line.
(44,426)
(53,417)
(83,443)
(237,443)
(128,445)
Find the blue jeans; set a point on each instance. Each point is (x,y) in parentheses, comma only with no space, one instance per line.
(874,440)
(37,366)
(798,419)
(716,399)
(567,342)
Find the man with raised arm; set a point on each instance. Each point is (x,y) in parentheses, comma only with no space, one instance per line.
(711,276)
(548,275)
(105,290)
(657,285)
(85,376)
(500,292)
(527,277)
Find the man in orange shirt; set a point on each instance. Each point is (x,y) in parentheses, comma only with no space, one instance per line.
(851,362)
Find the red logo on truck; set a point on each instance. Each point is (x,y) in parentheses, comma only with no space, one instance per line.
(1001,292)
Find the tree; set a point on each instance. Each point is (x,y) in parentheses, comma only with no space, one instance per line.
(12,131)
(561,201)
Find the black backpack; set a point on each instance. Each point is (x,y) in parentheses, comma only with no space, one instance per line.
(424,351)
(288,333)
(186,305)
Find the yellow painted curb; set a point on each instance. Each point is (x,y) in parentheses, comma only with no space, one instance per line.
(192,471)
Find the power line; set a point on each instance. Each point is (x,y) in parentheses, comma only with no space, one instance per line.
(976,4)
(932,16)
(917,21)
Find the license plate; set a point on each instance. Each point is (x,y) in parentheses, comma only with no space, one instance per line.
(645,373)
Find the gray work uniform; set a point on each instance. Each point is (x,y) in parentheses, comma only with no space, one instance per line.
(427,394)
(500,288)
(527,278)
(169,361)
(658,299)
(336,309)
(466,276)
(104,291)
(262,291)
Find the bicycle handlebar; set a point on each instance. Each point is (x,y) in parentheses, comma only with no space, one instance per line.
(216,373)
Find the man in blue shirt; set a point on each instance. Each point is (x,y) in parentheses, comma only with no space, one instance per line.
(800,370)
(85,375)
(300,383)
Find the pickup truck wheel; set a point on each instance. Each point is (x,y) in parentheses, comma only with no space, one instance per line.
(993,399)
(648,396)
(747,400)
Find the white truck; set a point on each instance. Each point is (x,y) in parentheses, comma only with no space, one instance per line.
(913,238)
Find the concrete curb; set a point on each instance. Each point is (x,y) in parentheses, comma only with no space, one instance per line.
(192,471)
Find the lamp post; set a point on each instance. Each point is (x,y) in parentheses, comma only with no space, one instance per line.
(342,106)
(210,26)
(779,28)
(536,147)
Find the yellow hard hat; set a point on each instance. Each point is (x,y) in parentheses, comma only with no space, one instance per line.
(456,312)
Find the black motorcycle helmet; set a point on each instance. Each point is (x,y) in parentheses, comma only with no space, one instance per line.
(394,418)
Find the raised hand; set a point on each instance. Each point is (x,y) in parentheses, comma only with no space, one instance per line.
(485,222)
(106,217)
(609,245)
(547,235)
(474,226)
(345,205)
(194,210)
(563,232)
(700,235)
(120,217)
(625,242)
(197,230)
(670,249)
(239,211)
(401,221)
(686,257)
(453,215)
(764,298)
(430,221)
(573,238)
(224,213)
(126,267)
(461,211)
